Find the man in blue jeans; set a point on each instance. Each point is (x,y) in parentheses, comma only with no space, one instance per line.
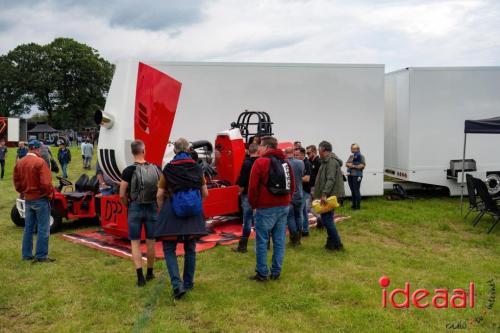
(33,180)
(138,192)
(295,209)
(329,181)
(269,192)
(180,175)
(64,157)
(300,154)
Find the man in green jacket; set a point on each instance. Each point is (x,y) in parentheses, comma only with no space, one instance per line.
(329,181)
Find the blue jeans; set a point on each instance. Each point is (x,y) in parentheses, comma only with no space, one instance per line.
(2,166)
(306,207)
(64,167)
(142,214)
(86,161)
(169,248)
(355,185)
(270,220)
(247,216)
(294,219)
(331,229)
(107,191)
(37,213)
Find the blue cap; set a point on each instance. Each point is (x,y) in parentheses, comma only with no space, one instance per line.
(34,144)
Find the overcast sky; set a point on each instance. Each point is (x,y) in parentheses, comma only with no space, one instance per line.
(395,33)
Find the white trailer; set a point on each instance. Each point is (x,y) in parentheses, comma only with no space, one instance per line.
(425,110)
(306,102)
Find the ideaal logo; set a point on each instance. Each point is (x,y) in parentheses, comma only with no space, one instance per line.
(423,298)
(439,299)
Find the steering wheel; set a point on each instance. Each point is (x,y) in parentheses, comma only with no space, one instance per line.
(64,181)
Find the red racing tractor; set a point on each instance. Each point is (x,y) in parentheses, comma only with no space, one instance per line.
(73,202)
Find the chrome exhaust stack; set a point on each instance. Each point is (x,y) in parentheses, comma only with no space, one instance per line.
(104,119)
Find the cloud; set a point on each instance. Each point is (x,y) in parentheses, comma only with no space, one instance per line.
(396,33)
(147,14)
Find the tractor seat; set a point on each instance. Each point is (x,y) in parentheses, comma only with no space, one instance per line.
(93,185)
(82,183)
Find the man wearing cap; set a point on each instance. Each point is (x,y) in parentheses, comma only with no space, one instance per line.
(33,180)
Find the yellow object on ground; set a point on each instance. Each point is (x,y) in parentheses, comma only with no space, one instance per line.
(331,204)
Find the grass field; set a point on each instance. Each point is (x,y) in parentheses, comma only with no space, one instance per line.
(424,242)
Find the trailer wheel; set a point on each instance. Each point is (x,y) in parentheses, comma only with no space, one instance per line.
(16,217)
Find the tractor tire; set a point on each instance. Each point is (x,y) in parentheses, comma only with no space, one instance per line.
(16,217)
(55,221)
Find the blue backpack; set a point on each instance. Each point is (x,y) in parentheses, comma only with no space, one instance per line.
(186,203)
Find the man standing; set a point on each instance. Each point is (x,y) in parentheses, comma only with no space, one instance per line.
(83,154)
(300,154)
(33,180)
(253,150)
(138,191)
(312,156)
(269,192)
(21,151)
(355,166)
(45,154)
(329,181)
(295,208)
(88,152)
(64,157)
(181,190)
(3,156)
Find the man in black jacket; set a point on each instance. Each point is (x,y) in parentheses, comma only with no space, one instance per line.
(315,160)
(253,150)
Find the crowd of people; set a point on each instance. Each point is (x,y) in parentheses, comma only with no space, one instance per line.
(276,191)
(63,155)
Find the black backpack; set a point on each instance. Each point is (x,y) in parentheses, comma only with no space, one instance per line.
(279,181)
(144,184)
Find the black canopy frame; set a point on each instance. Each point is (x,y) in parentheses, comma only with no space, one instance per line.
(482,126)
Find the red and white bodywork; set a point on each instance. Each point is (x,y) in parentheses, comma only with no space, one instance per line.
(145,110)
(141,105)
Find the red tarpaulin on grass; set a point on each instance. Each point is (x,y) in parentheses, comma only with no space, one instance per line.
(224,230)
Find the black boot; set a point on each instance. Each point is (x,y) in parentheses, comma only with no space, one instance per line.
(298,238)
(293,239)
(319,224)
(179,292)
(331,246)
(242,245)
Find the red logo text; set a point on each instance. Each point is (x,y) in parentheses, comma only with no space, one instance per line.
(423,298)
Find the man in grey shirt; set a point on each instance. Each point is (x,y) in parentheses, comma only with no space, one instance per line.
(46,154)
(88,152)
(295,209)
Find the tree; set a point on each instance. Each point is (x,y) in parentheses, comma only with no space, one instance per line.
(65,79)
(14,101)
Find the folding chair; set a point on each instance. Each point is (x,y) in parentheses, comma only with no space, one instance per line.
(490,206)
(475,204)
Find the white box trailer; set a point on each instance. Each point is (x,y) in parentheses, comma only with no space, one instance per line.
(306,102)
(425,111)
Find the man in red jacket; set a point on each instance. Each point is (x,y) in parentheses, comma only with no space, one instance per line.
(270,197)
(33,180)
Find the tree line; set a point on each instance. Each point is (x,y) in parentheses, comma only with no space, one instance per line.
(65,79)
